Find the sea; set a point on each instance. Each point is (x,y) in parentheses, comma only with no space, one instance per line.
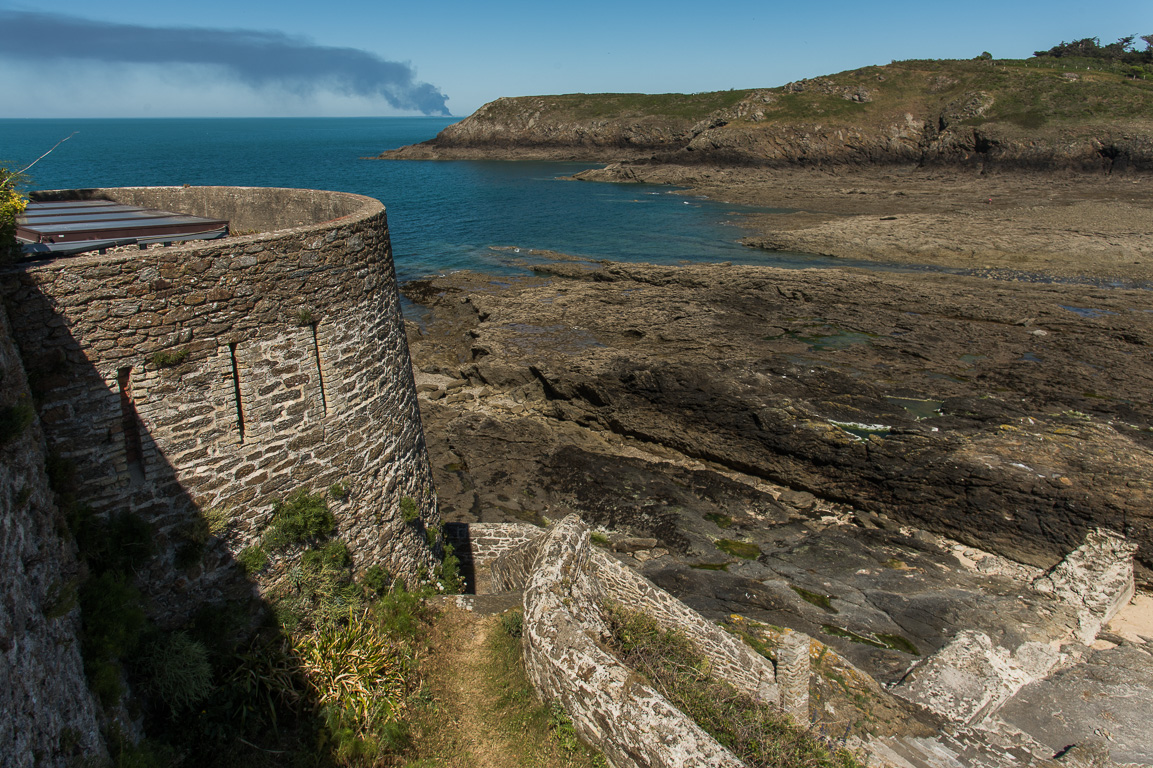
(443,215)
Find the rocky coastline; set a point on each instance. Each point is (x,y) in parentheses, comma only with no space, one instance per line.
(886,462)
(891,461)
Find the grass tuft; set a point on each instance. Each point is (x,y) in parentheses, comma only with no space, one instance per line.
(757,733)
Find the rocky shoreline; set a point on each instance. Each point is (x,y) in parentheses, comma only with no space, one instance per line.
(1007,415)
(880,460)
(1093,226)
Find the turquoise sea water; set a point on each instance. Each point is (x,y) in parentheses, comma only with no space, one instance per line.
(443,216)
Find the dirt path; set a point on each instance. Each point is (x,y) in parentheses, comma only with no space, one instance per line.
(462,692)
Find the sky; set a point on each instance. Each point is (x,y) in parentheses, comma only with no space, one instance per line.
(336,58)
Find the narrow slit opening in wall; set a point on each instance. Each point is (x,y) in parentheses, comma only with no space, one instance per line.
(236,391)
(319,370)
(130,425)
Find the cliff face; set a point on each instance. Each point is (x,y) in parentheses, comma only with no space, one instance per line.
(1013,114)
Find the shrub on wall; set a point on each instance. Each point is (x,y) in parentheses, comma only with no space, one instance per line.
(12,204)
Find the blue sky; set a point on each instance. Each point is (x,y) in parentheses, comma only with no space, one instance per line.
(344,57)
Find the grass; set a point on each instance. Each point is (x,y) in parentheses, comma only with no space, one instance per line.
(297,519)
(480,703)
(253,559)
(824,602)
(689,107)
(742,549)
(408,510)
(757,733)
(169,359)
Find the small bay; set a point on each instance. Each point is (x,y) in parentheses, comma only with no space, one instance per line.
(443,215)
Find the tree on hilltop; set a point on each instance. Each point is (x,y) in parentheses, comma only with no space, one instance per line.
(1091,48)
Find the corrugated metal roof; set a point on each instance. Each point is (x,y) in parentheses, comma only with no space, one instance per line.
(75,226)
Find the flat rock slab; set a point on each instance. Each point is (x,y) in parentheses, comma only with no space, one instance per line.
(1108,696)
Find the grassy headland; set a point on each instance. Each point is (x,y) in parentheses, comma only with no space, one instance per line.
(1045,112)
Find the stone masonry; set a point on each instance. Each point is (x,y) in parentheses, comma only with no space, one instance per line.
(566,581)
(47,716)
(202,381)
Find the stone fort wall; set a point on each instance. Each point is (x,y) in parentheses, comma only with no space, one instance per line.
(217,376)
(47,716)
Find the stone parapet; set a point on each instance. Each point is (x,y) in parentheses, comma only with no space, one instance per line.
(610,707)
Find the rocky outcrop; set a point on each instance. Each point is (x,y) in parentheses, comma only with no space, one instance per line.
(813,380)
(1096,579)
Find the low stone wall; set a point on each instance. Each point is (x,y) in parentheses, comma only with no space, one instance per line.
(195,384)
(47,716)
(971,678)
(482,543)
(566,581)
(628,721)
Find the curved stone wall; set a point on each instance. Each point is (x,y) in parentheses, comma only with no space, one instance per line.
(221,375)
(566,581)
(610,707)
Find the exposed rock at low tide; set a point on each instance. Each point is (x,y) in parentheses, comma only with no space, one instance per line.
(812,379)
(892,464)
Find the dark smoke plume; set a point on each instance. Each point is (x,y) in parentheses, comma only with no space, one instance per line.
(255,58)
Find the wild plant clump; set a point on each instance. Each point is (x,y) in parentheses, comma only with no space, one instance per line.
(297,519)
(12,204)
(757,733)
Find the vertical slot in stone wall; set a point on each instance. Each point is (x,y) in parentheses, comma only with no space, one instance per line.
(319,369)
(236,391)
(130,425)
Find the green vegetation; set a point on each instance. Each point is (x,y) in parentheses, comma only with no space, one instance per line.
(328,684)
(512,622)
(14,419)
(599,539)
(169,359)
(824,602)
(305,318)
(339,491)
(176,670)
(757,733)
(742,549)
(12,204)
(408,510)
(1091,48)
(301,517)
(689,107)
(505,722)
(721,521)
(253,559)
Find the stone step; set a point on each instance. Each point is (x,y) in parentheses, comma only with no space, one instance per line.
(483,604)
